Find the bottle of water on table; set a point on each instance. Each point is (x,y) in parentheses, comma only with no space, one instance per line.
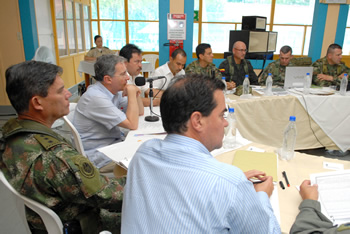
(343,85)
(268,83)
(307,84)
(289,138)
(230,130)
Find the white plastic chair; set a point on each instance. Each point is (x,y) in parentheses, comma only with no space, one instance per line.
(151,58)
(44,54)
(68,119)
(51,220)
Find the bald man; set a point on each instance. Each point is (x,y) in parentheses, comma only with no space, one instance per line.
(236,67)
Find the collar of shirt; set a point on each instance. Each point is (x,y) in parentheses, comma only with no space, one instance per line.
(102,88)
(187,142)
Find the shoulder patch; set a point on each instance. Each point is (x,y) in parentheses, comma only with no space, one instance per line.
(85,166)
(89,175)
(47,141)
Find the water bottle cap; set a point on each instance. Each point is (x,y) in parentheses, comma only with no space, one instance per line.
(307,74)
(231,110)
(246,76)
(269,74)
(292,118)
(345,74)
(223,78)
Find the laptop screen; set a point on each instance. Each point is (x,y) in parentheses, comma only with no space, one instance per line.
(294,77)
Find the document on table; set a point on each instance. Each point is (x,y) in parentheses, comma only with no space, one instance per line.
(123,152)
(334,193)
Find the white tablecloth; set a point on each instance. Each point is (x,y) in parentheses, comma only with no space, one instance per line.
(332,114)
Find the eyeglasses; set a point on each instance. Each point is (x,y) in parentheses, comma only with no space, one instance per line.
(241,50)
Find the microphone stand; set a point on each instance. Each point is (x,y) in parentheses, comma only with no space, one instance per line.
(151,118)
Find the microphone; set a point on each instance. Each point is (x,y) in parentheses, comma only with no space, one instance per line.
(140,80)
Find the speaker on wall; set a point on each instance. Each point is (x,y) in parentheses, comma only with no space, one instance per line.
(255,23)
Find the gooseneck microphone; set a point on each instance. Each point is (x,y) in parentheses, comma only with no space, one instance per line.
(140,81)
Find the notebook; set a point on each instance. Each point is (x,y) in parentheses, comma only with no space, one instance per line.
(294,77)
(250,160)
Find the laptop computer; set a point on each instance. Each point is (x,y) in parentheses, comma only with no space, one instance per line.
(294,77)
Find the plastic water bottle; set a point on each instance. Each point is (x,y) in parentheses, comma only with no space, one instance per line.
(224,81)
(343,85)
(307,84)
(268,83)
(246,85)
(230,130)
(289,138)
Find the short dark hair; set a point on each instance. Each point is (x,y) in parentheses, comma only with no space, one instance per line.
(286,49)
(29,78)
(185,95)
(96,37)
(128,50)
(200,49)
(332,47)
(105,65)
(178,51)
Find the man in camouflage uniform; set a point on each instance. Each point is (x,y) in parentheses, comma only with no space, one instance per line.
(236,67)
(204,65)
(97,51)
(42,165)
(330,69)
(310,219)
(278,67)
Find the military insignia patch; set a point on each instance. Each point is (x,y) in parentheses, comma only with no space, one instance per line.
(85,167)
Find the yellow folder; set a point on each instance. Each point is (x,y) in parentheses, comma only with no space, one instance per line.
(250,160)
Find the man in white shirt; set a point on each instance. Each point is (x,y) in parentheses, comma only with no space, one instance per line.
(133,55)
(106,106)
(171,69)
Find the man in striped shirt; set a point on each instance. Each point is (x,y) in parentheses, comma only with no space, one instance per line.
(176,186)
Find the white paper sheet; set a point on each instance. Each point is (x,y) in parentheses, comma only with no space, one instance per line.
(334,194)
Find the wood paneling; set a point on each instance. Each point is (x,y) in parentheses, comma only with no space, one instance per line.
(11,44)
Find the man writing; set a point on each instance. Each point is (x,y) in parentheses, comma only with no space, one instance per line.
(42,165)
(236,67)
(173,68)
(204,65)
(176,186)
(278,67)
(106,106)
(329,70)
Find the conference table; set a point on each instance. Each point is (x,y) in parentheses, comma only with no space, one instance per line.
(298,169)
(87,67)
(322,121)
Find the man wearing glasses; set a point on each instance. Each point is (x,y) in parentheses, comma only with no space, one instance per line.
(236,67)
(133,56)
(106,106)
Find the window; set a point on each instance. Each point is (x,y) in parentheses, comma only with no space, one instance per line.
(72,27)
(218,17)
(136,22)
(346,44)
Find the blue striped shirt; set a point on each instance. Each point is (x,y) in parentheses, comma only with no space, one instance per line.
(176,186)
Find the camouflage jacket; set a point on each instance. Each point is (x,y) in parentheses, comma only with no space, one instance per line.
(94,52)
(236,72)
(321,66)
(277,71)
(195,68)
(43,166)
